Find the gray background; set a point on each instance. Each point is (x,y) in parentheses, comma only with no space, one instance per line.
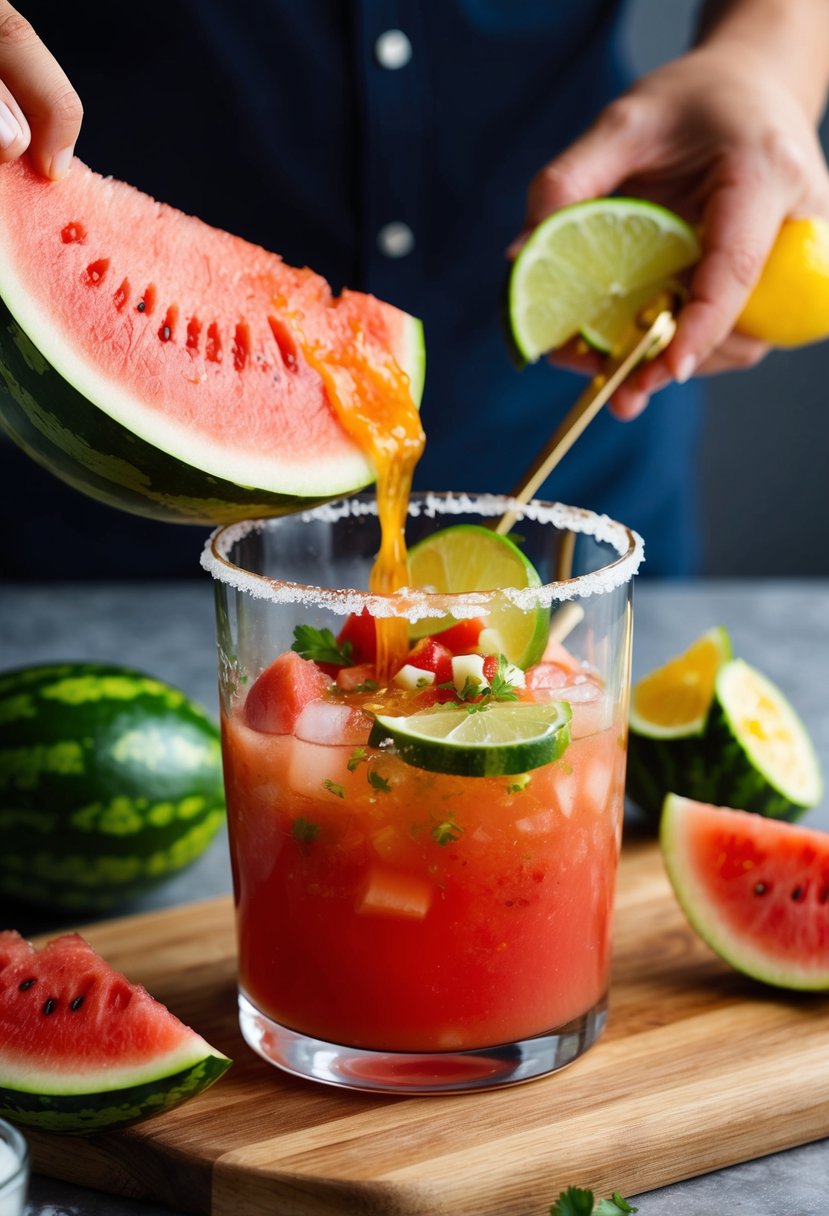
(763,475)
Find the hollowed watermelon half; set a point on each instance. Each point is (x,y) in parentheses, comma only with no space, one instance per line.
(152,361)
(82,1049)
(755,889)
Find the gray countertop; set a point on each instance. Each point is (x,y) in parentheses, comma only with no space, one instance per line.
(167,630)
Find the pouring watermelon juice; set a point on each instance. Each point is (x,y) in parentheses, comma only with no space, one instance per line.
(423,861)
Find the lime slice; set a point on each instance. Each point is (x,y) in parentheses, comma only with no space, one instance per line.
(474,741)
(763,744)
(587,268)
(611,325)
(469,557)
(673,701)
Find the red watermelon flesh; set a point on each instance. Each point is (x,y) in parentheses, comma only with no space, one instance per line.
(66,1015)
(755,889)
(188,336)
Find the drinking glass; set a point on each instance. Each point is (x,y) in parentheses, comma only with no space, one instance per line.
(402,929)
(14,1170)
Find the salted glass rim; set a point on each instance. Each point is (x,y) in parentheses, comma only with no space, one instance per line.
(17,1143)
(415,603)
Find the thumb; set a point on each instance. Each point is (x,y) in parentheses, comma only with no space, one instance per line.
(608,152)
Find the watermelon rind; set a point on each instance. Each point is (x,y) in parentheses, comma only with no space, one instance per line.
(751,751)
(664,758)
(768,760)
(83,426)
(766,916)
(110,783)
(94,1104)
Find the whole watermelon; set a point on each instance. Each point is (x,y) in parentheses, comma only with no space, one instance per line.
(110,782)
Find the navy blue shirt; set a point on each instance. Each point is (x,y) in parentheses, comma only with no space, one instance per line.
(389,145)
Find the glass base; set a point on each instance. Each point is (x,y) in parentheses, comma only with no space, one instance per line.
(414,1072)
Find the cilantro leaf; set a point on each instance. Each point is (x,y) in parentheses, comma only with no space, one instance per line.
(617,1206)
(321,646)
(577,1202)
(302,829)
(333,788)
(377,781)
(573,1202)
(356,758)
(500,687)
(446,832)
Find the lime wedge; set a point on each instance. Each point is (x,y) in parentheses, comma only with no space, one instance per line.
(673,701)
(475,741)
(469,557)
(589,268)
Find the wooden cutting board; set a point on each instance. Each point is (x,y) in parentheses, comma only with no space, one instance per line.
(699,1068)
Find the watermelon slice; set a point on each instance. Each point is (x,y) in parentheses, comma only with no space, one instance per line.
(154,362)
(82,1049)
(755,889)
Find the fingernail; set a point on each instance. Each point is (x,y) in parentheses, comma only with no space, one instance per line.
(685,368)
(61,161)
(10,129)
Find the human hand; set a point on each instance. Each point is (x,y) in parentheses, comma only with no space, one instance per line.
(718,139)
(39,109)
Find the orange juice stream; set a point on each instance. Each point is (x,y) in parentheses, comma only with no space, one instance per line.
(376,408)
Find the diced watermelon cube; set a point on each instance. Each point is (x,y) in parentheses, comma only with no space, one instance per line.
(349,678)
(430,655)
(360,630)
(462,637)
(282,691)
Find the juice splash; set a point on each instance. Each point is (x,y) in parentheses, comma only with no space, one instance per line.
(373,401)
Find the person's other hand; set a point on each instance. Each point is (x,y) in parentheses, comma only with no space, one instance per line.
(39,109)
(717,139)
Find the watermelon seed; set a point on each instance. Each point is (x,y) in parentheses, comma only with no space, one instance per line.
(73,233)
(95,272)
(797,894)
(823,895)
(760,888)
(50,1005)
(25,985)
(168,325)
(76,1003)
(147,301)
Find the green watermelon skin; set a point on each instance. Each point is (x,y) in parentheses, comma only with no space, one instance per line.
(708,767)
(82,1049)
(180,394)
(754,888)
(66,434)
(86,1113)
(110,782)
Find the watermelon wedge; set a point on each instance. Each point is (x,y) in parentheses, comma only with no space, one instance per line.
(82,1049)
(153,362)
(755,889)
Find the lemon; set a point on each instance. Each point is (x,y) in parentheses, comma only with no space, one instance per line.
(674,700)
(474,741)
(789,305)
(589,268)
(470,557)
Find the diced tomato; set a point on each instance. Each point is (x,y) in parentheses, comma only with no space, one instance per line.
(395,893)
(461,638)
(360,630)
(349,678)
(282,691)
(430,655)
(490,667)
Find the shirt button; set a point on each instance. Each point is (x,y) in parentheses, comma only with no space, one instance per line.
(393,50)
(395,240)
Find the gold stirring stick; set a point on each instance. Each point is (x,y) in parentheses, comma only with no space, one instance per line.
(601,388)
